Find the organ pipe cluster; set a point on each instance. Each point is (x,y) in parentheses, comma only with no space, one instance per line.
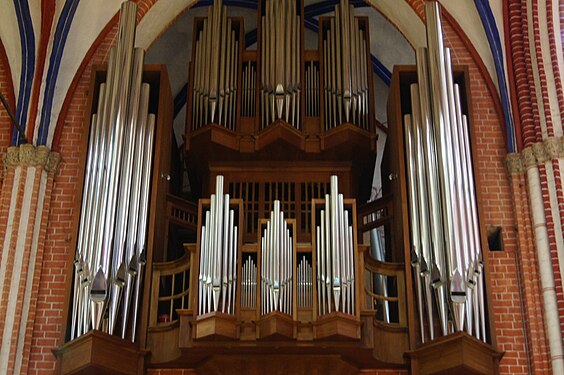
(312,89)
(249,284)
(446,250)
(217,277)
(215,70)
(280,63)
(345,69)
(335,256)
(248,102)
(111,248)
(276,264)
(304,284)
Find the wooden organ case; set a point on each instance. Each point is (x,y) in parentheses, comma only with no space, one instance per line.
(288,269)
(270,127)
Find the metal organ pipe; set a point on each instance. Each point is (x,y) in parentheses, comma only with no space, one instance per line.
(218,256)
(276,264)
(215,70)
(444,221)
(304,283)
(344,63)
(280,62)
(248,284)
(336,260)
(115,198)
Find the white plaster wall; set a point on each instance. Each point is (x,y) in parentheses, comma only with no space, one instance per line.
(469,20)
(89,20)
(10,36)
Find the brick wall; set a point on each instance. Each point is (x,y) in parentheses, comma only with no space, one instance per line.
(498,209)
(54,284)
(7,90)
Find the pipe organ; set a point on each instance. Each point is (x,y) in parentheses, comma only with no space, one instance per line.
(217,277)
(344,54)
(277,266)
(216,60)
(251,92)
(111,246)
(276,284)
(284,259)
(280,62)
(249,284)
(335,256)
(446,259)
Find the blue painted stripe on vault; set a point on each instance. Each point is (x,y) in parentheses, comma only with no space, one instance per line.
(60,38)
(27,38)
(492,33)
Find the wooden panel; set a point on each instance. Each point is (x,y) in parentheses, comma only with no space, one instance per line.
(457,353)
(99,353)
(160,103)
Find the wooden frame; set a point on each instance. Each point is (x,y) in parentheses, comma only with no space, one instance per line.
(160,103)
(337,325)
(394,167)
(216,324)
(276,325)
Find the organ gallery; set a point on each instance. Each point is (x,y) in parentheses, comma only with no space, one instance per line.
(280,256)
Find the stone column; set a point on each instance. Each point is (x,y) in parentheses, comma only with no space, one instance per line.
(24,205)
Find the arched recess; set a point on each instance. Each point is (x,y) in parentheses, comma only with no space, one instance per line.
(156,16)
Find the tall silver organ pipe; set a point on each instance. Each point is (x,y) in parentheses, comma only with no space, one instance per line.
(217,276)
(114,206)
(277,266)
(444,223)
(345,76)
(280,62)
(215,63)
(335,253)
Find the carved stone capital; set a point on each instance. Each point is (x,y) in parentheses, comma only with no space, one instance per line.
(12,157)
(514,163)
(540,152)
(551,146)
(528,158)
(28,155)
(53,161)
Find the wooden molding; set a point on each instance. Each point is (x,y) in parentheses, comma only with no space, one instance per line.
(458,353)
(99,353)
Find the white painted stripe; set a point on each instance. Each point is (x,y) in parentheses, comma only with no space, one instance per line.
(18,263)
(9,226)
(30,273)
(552,319)
(547,60)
